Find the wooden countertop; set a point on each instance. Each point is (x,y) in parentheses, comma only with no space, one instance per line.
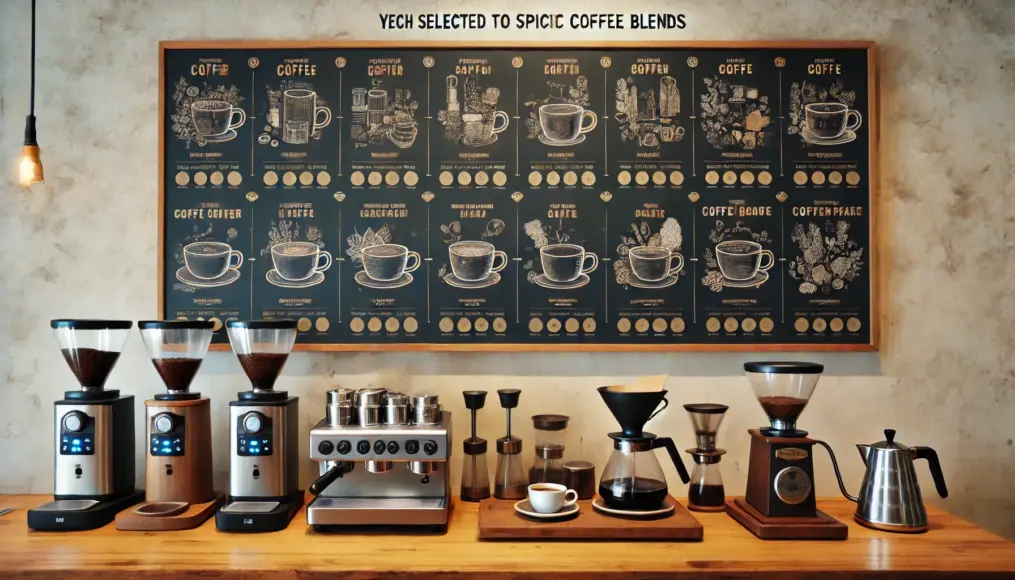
(952,548)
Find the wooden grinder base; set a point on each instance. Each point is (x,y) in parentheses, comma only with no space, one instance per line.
(821,527)
(193,516)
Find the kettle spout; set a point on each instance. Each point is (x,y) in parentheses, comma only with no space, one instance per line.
(864,451)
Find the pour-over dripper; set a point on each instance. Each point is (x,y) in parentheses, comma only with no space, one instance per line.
(177,348)
(91,348)
(262,346)
(633,409)
(783,389)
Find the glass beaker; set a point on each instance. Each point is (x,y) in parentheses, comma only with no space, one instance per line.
(551,432)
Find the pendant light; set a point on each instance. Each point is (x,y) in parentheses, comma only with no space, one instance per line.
(30,166)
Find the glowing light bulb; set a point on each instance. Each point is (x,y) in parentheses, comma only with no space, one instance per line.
(30,166)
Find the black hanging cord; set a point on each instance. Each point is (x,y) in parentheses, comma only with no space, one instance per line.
(30,135)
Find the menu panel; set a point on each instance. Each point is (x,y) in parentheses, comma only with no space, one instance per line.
(644,198)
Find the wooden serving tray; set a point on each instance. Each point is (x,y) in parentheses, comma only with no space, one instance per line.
(498,521)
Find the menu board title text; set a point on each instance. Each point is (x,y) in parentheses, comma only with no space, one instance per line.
(478,21)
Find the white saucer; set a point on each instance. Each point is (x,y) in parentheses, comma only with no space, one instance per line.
(275,279)
(490,280)
(846,137)
(490,141)
(184,275)
(554,143)
(525,508)
(666,282)
(363,280)
(578,282)
(227,136)
(664,509)
(752,282)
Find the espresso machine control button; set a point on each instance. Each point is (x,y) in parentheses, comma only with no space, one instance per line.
(326,447)
(344,447)
(162,423)
(412,447)
(379,447)
(363,447)
(74,421)
(252,422)
(430,447)
(393,447)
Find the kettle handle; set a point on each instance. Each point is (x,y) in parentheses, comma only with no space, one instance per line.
(674,456)
(838,476)
(935,468)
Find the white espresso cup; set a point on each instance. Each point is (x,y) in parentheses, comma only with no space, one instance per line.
(550,498)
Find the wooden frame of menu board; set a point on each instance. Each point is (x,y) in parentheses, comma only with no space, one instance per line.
(704,177)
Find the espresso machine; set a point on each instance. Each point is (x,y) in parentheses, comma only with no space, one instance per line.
(264,454)
(779,503)
(178,474)
(93,475)
(384,460)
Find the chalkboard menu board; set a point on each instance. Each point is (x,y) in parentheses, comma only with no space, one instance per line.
(498,197)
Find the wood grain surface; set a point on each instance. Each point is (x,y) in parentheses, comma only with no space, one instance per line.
(952,548)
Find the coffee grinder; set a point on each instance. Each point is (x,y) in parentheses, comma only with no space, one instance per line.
(178,472)
(510,481)
(779,503)
(93,475)
(475,476)
(264,455)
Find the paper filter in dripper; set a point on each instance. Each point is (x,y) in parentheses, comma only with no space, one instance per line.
(633,409)
(91,347)
(642,384)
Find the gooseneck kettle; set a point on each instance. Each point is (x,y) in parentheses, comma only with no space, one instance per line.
(890,497)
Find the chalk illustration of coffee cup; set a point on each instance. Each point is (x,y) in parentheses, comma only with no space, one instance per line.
(742,260)
(387,262)
(654,263)
(565,122)
(480,129)
(215,118)
(826,121)
(298,261)
(566,262)
(301,116)
(474,261)
(210,260)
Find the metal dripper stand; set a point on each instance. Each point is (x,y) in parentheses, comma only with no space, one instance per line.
(93,477)
(706,492)
(510,481)
(475,476)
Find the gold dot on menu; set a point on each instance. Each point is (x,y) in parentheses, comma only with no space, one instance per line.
(446,178)
(535,325)
(800,177)
(535,178)
(818,178)
(464,178)
(392,324)
(553,325)
(801,325)
(356,178)
(835,178)
(764,178)
(499,324)
(641,178)
(659,325)
(748,325)
(676,177)
(182,178)
(181,318)
(819,325)
(289,178)
(499,178)
(641,325)
(481,325)
(356,325)
(570,179)
(374,324)
(306,178)
(659,178)
(411,178)
(200,178)
(588,179)
(234,178)
(552,178)
(303,324)
(410,325)
(624,177)
(712,177)
(482,178)
(589,325)
(766,324)
(746,177)
(572,325)
(712,324)
(624,325)
(216,325)
(836,325)
(323,178)
(852,178)
(322,324)
(391,178)
(731,325)
(446,324)
(374,178)
(729,177)
(217,178)
(853,324)
(464,325)
(677,325)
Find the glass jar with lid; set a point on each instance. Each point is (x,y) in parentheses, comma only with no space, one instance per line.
(551,436)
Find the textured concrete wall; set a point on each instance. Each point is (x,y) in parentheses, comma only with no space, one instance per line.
(84,244)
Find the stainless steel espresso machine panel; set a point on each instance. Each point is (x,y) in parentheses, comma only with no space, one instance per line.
(260,461)
(84,456)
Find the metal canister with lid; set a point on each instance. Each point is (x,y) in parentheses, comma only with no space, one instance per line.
(426,410)
(396,409)
(339,407)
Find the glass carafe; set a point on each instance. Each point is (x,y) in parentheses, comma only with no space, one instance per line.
(706,491)
(633,478)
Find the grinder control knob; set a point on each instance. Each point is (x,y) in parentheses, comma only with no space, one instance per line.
(252,422)
(162,423)
(430,447)
(74,421)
